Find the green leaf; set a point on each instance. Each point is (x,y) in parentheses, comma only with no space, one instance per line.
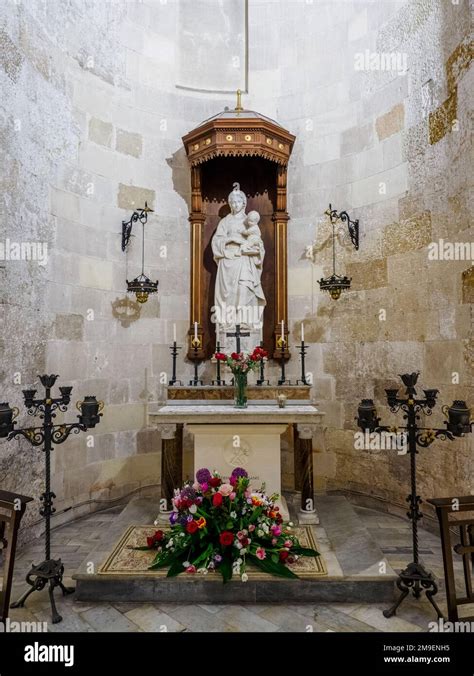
(176,568)
(161,562)
(275,558)
(273,568)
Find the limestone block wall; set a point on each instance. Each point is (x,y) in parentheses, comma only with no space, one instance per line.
(92,113)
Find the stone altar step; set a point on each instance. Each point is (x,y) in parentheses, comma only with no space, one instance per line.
(357,569)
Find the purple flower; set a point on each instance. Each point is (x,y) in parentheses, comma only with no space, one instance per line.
(217,558)
(183,520)
(238,472)
(173,518)
(203,475)
(190,518)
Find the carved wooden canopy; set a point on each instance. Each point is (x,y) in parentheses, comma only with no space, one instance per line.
(220,150)
(239,133)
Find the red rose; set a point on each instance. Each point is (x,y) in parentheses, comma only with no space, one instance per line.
(284,555)
(150,542)
(226,538)
(235,356)
(221,356)
(158,536)
(217,499)
(192,527)
(215,481)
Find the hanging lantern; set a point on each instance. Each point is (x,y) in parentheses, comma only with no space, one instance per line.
(335,284)
(141,286)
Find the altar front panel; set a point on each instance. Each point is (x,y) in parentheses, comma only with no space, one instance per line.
(222,447)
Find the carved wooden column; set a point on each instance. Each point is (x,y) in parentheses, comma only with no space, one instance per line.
(196,218)
(281,218)
(304,480)
(171,461)
(12,508)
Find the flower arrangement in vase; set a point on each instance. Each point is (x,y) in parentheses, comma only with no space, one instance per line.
(240,364)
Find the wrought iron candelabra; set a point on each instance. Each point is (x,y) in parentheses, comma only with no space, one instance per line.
(50,571)
(415,577)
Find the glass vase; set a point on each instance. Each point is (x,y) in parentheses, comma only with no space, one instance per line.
(240,390)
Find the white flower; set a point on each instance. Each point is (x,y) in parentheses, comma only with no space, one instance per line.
(290,523)
(232,514)
(193,509)
(265,527)
(260,533)
(243,551)
(239,560)
(244,577)
(238,545)
(186,564)
(203,571)
(182,535)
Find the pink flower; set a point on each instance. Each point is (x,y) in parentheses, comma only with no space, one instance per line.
(251,527)
(196,486)
(225,489)
(240,535)
(274,541)
(260,553)
(232,496)
(204,487)
(287,543)
(276,530)
(191,569)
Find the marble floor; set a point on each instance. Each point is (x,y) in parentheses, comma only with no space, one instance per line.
(74,541)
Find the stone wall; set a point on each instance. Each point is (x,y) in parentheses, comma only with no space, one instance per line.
(91,125)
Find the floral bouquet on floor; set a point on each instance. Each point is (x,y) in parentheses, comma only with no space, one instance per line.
(222,526)
(240,364)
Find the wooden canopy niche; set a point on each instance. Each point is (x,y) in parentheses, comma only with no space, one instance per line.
(239,145)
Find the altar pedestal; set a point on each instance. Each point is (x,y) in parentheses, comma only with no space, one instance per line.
(226,437)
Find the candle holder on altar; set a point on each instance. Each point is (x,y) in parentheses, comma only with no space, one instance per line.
(302,348)
(261,380)
(196,344)
(174,353)
(218,380)
(50,571)
(282,345)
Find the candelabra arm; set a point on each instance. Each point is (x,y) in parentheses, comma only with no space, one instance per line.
(35,435)
(61,432)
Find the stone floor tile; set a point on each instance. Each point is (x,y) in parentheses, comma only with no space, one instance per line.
(149,618)
(198,620)
(243,619)
(107,618)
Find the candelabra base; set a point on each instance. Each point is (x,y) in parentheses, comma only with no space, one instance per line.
(302,382)
(51,572)
(417,579)
(175,382)
(218,382)
(284,382)
(196,382)
(263,382)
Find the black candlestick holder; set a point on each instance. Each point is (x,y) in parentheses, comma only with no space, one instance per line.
(196,344)
(50,571)
(282,345)
(302,349)
(261,380)
(174,353)
(218,380)
(415,577)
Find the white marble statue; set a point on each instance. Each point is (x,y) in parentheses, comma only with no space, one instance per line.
(238,251)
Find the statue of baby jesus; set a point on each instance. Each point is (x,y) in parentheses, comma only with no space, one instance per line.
(252,234)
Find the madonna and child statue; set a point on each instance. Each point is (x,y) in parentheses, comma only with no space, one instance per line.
(239,253)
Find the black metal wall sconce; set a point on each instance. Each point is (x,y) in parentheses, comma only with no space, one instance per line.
(335,284)
(415,577)
(50,571)
(141,286)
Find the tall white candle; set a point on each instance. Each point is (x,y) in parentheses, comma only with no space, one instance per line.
(195,331)
(282,329)
(217,334)
(174,333)
(302,332)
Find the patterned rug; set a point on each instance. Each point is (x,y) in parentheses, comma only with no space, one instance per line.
(124,560)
